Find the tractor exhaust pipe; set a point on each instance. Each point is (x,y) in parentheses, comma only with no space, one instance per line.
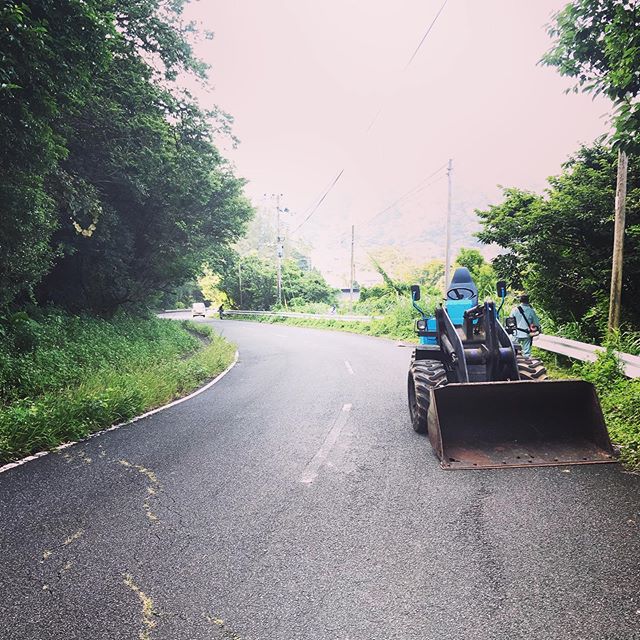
(518,424)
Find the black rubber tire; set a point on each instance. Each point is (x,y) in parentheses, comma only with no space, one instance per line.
(424,375)
(531,369)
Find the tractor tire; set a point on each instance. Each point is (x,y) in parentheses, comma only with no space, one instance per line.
(424,375)
(531,369)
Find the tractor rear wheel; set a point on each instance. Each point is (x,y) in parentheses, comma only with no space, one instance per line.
(531,369)
(424,375)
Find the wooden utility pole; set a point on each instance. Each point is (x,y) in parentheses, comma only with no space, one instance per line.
(279,249)
(353,268)
(447,250)
(618,243)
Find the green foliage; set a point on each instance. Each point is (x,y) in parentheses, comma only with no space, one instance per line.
(305,285)
(597,42)
(112,187)
(472,259)
(85,373)
(620,400)
(559,245)
(259,283)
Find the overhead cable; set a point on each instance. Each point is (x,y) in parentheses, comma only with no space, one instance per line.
(424,37)
(326,193)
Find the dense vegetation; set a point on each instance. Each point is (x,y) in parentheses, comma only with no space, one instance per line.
(112,188)
(559,244)
(64,376)
(250,282)
(112,194)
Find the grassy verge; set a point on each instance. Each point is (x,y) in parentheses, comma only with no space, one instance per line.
(619,397)
(63,377)
(398,323)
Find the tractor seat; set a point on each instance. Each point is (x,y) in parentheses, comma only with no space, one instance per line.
(462,286)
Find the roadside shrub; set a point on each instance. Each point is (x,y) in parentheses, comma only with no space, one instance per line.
(620,400)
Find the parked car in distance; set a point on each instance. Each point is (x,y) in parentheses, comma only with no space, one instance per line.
(198,309)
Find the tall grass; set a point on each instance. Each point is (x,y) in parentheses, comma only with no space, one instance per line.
(63,376)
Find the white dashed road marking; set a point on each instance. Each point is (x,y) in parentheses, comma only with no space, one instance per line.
(310,472)
(349,367)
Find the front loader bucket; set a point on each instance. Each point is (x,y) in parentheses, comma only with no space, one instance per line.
(518,424)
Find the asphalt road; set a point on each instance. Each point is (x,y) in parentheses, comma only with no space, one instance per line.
(292,501)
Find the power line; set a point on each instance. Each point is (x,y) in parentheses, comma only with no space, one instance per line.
(416,191)
(326,193)
(424,37)
(408,194)
(415,53)
(373,121)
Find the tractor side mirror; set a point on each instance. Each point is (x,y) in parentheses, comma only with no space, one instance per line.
(501,287)
(415,292)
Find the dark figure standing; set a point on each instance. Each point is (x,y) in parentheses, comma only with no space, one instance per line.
(527,324)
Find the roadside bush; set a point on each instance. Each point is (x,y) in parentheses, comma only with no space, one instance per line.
(620,400)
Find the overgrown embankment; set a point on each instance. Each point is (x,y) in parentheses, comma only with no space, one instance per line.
(63,377)
(397,323)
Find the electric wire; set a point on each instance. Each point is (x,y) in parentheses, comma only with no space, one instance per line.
(424,37)
(326,193)
(405,196)
(411,59)
(373,121)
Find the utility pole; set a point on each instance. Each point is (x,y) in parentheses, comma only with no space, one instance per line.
(447,250)
(278,249)
(618,243)
(240,281)
(353,267)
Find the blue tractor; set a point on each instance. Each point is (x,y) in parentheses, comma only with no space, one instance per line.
(483,404)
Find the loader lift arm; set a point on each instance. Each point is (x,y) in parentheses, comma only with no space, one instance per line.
(484,405)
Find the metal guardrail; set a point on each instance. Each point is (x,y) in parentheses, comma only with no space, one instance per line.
(293,314)
(285,314)
(585,352)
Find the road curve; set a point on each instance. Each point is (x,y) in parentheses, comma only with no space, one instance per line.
(292,501)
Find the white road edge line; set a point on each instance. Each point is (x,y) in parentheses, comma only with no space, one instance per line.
(17,463)
(349,367)
(310,472)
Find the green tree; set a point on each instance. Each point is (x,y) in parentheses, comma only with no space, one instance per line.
(559,245)
(472,259)
(597,42)
(42,76)
(249,282)
(115,191)
(305,285)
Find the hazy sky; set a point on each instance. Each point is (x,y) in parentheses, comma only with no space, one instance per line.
(304,79)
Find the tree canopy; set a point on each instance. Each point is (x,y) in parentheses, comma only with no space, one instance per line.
(559,244)
(597,42)
(113,190)
(250,282)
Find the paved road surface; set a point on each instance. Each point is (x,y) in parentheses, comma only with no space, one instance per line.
(293,501)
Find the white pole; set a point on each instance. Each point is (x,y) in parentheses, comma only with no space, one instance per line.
(352,276)
(278,250)
(447,251)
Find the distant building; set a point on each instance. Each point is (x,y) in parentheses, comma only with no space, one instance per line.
(343,294)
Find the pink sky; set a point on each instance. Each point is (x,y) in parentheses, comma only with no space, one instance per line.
(304,78)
